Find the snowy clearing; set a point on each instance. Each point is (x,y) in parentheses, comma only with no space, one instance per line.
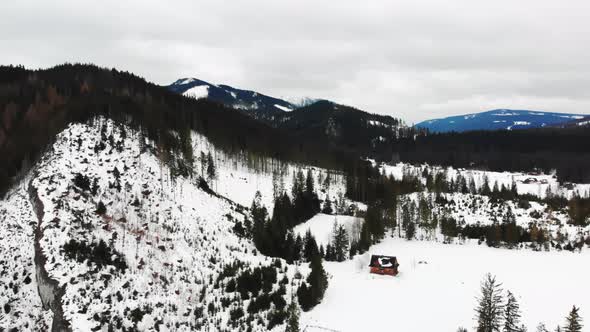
(439,295)
(321,226)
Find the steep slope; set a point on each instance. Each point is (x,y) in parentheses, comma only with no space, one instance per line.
(250,102)
(126,244)
(497,120)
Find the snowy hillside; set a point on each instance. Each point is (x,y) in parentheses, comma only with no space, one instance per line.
(123,243)
(498,119)
(534,183)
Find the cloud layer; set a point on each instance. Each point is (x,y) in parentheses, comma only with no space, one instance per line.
(413,59)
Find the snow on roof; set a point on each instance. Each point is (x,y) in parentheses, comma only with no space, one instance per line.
(383,261)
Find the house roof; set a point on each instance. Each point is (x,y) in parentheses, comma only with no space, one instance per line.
(383,261)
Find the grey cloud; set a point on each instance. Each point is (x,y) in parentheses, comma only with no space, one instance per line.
(410,59)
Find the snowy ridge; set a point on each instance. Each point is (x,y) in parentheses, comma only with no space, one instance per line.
(174,238)
(498,119)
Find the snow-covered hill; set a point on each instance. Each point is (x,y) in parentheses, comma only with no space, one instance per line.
(498,119)
(110,238)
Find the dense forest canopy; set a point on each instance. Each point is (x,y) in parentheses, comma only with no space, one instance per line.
(566,150)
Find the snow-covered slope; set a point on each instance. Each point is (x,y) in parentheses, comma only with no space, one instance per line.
(321,226)
(498,119)
(534,183)
(157,257)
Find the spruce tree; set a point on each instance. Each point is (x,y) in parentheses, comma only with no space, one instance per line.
(317,279)
(327,206)
(490,308)
(339,242)
(211,171)
(573,321)
(511,314)
(293,318)
(310,246)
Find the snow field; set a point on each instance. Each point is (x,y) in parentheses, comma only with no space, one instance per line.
(440,293)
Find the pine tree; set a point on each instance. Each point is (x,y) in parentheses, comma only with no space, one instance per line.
(317,279)
(339,242)
(410,230)
(573,321)
(489,309)
(101,208)
(327,206)
(293,318)
(511,314)
(309,185)
(211,171)
(310,246)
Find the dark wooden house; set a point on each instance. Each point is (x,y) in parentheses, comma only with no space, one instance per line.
(384,265)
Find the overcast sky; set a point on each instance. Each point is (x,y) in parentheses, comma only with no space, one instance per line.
(410,59)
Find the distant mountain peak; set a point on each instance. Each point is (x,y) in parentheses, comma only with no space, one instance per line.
(499,119)
(252,102)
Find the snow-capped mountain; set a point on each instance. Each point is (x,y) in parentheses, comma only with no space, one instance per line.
(251,102)
(498,119)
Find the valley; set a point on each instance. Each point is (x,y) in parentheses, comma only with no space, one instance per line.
(131,207)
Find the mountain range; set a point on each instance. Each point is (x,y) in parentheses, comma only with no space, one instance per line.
(250,102)
(499,119)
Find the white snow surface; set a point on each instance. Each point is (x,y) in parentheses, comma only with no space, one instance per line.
(197,92)
(283,108)
(321,226)
(437,287)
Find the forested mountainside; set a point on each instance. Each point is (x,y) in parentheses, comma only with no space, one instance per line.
(343,126)
(507,119)
(566,150)
(560,145)
(37,104)
(253,103)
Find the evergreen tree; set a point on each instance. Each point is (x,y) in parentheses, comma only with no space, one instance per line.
(485,186)
(317,279)
(211,170)
(490,308)
(365,240)
(309,185)
(259,216)
(310,246)
(293,318)
(339,242)
(410,231)
(511,314)
(101,208)
(327,206)
(298,248)
(573,321)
